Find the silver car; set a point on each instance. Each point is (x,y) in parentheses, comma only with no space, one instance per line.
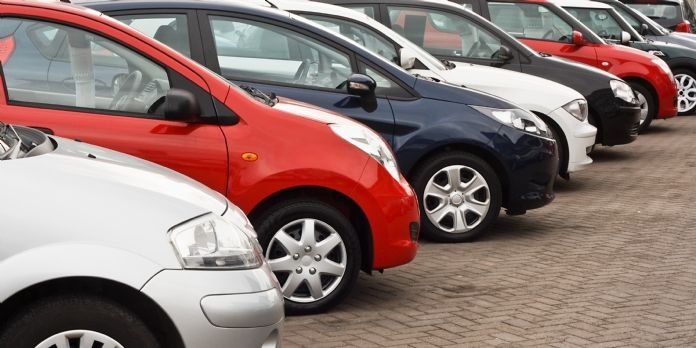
(100,249)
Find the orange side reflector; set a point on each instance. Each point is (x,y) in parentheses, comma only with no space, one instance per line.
(250,156)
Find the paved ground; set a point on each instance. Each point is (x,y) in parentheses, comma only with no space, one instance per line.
(611,263)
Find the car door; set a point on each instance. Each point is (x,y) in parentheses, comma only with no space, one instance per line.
(540,28)
(291,63)
(106,93)
(448,35)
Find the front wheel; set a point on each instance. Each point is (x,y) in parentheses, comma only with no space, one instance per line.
(686,83)
(648,106)
(459,197)
(313,250)
(76,322)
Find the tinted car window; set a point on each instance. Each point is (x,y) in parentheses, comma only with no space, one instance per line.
(264,52)
(628,17)
(530,21)
(169,29)
(53,64)
(443,33)
(598,20)
(360,34)
(658,11)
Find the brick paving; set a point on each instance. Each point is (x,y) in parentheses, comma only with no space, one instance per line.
(610,263)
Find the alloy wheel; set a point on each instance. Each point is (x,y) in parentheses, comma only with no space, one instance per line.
(456,199)
(687,92)
(643,103)
(309,258)
(79,339)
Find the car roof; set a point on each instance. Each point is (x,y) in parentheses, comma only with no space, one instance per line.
(580,3)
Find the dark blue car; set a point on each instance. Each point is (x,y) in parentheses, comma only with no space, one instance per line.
(466,153)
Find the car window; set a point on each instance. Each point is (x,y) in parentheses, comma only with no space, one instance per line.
(361,34)
(530,21)
(53,64)
(599,21)
(633,21)
(385,85)
(443,33)
(169,29)
(366,10)
(659,11)
(249,50)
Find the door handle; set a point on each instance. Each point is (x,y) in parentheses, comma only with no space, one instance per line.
(45,130)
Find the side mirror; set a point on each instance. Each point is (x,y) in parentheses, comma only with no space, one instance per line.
(361,85)
(578,40)
(625,37)
(504,53)
(407,58)
(181,105)
(643,29)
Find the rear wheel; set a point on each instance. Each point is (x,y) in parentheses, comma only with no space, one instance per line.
(686,83)
(460,196)
(313,250)
(77,322)
(646,101)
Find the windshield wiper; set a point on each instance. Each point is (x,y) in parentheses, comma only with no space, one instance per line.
(449,65)
(260,96)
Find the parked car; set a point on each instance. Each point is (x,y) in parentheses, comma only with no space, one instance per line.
(612,27)
(466,153)
(563,109)
(612,106)
(123,252)
(547,28)
(675,15)
(323,191)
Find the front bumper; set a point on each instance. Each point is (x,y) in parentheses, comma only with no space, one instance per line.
(580,135)
(391,209)
(532,167)
(221,309)
(617,121)
(667,100)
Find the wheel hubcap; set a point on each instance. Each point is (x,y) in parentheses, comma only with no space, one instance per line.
(309,259)
(456,199)
(643,103)
(687,92)
(79,339)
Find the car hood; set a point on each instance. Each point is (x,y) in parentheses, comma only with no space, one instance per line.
(85,194)
(531,92)
(671,50)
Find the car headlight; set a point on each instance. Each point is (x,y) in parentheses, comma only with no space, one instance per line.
(517,118)
(622,91)
(577,108)
(371,143)
(209,241)
(661,63)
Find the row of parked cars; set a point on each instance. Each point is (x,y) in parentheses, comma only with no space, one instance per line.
(454,111)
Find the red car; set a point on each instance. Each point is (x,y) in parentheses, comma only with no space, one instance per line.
(547,28)
(323,191)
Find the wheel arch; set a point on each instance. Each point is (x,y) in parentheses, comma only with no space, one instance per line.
(345,205)
(143,306)
(646,84)
(563,168)
(485,155)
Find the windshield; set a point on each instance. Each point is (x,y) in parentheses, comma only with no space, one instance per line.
(652,23)
(659,11)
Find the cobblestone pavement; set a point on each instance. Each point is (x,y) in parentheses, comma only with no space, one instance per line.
(610,263)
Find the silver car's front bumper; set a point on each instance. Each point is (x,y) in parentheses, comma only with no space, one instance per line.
(221,309)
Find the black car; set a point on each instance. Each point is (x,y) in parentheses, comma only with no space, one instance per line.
(606,22)
(675,15)
(616,119)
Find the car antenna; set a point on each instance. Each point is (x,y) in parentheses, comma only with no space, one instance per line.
(268,1)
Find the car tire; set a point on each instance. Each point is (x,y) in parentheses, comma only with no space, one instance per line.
(647,104)
(686,81)
(74,317)
(562,153)
(298,262)
(440,201)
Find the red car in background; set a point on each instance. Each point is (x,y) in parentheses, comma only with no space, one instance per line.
(547,28)
(324,192)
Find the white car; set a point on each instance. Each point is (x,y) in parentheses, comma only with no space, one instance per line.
(101,249)
(561,107)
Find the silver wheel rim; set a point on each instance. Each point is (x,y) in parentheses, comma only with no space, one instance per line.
(84,339)
(687,92)
(643,103)
(456,199)
(309,259)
